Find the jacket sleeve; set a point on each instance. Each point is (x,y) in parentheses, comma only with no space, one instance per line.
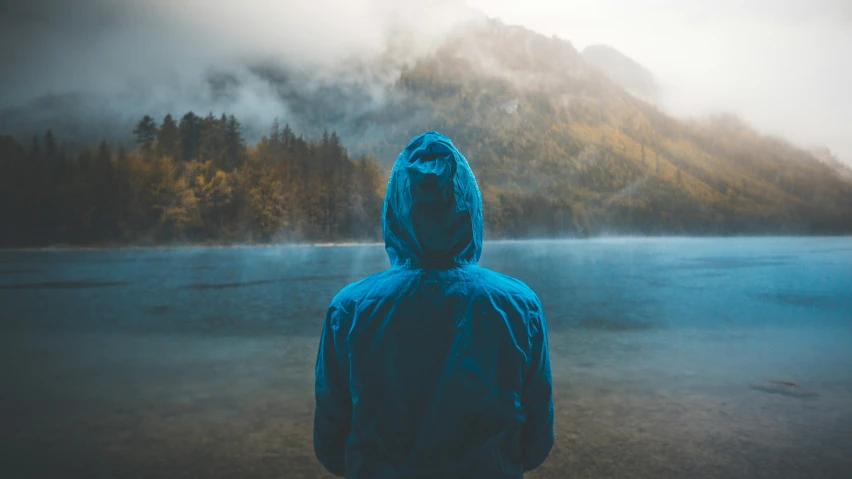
(537,398)
(333,404)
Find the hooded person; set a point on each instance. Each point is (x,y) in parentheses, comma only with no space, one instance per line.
(436,367)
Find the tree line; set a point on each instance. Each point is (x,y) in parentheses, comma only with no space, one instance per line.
(193,180)
(196,180)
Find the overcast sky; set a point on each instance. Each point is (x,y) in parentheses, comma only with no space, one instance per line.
(785,66)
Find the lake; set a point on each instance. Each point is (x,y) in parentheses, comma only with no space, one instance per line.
(671,357)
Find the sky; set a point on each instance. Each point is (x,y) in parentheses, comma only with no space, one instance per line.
(784,66)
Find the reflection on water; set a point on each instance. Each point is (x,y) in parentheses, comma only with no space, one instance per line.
(63,285)
(230,285)
(732,263)
(799,299)
(612,323)
(18,271)
(265,281)
(671,357)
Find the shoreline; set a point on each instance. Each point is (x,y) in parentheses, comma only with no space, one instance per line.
(181,246)
(327,244)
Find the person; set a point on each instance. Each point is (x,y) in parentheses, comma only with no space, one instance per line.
(436,367)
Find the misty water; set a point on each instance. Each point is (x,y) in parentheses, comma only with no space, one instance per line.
(671,357)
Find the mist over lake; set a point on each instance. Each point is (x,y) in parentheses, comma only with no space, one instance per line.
(672,357)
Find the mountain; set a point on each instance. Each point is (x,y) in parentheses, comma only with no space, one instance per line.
(562,149)
(623,70)
(558,143)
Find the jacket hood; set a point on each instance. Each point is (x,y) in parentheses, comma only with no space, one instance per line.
(432,212)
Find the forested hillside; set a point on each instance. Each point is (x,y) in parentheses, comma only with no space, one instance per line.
(557,147)
(562,150)
(189,181)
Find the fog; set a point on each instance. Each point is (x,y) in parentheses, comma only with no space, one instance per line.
(784,67)
(101,64)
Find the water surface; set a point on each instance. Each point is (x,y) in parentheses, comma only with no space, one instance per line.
(671,357)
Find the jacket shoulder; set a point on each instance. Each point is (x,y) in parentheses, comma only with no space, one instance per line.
(508,286)
(358,290)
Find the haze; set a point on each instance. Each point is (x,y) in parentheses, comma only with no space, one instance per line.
(783,66)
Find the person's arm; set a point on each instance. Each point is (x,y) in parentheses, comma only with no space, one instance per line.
(333,404)
(537,399)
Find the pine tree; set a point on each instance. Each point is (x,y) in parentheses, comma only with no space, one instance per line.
(190,136)
(287,137)
(335,145)
(275,133)
(234,145)
(168,138)
(211,141)
(146,132)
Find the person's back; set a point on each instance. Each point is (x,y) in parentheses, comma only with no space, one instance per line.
(435,368)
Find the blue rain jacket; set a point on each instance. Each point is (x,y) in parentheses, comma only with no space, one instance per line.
(434,368)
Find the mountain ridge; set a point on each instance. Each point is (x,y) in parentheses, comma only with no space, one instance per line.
(623,70)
